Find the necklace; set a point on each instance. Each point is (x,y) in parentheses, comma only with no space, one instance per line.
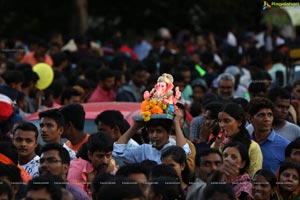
(163,96)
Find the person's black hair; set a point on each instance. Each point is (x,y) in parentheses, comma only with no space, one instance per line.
(5,189)
(257,87)
(10,151)
(178,155)
(238,113)
(113,118)
(85,84)
(268,175)
(42,43)
(105,73)
(165,123)
(26,126)
(185,67)
(278,92)
(83,152)
(243,152)
(214,107)
(29,77)
(11,172)
(13,76)
(261,75)
(56,87)
(63,153)
(149,164)
(163,170)
(49,183)
(178,77)
(289,165)
(258,103)
(137,66)
(68,93)
(100,142)
(58,58)
(241,102)
(20,98)
(224,189)
(195,108)
(135,168)
(209,97)
(182,107)
(75,114)
(207,57)
(277,56)
(123,188)
(118,62)
(168,188)
(293,145)
(100,180)
(54,114)
(81,39)
(199,82)
(206,152)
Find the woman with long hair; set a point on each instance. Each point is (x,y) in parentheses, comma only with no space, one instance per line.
(235,154)
(175,157)
(232,120)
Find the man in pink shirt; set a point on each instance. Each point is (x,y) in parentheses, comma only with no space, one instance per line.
(105,89)
(95,158)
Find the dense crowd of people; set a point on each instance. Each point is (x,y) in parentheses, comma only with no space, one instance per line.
(234,133)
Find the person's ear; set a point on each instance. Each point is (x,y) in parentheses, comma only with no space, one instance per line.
(239,123)
(60,130)
(36,142)
(182,166)
(65,168)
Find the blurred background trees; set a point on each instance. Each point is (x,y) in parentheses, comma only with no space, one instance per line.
(72,17)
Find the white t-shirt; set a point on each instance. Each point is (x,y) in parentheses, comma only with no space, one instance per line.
(32,167)
(71,151)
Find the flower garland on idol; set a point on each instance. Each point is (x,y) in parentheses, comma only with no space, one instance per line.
(160,100)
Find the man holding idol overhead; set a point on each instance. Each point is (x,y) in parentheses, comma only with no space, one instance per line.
(159,113)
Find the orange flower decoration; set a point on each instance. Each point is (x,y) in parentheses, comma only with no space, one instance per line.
(157,110)
(144,105)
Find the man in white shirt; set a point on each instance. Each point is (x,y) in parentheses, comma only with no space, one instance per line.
(25,136)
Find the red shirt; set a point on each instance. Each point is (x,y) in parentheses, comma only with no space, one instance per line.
(100,95)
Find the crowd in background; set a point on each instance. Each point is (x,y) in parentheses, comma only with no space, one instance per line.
(235,133)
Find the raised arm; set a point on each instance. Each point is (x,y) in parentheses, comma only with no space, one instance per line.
(180,139)
(130,132)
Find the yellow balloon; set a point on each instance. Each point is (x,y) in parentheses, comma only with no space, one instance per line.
(45,73)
